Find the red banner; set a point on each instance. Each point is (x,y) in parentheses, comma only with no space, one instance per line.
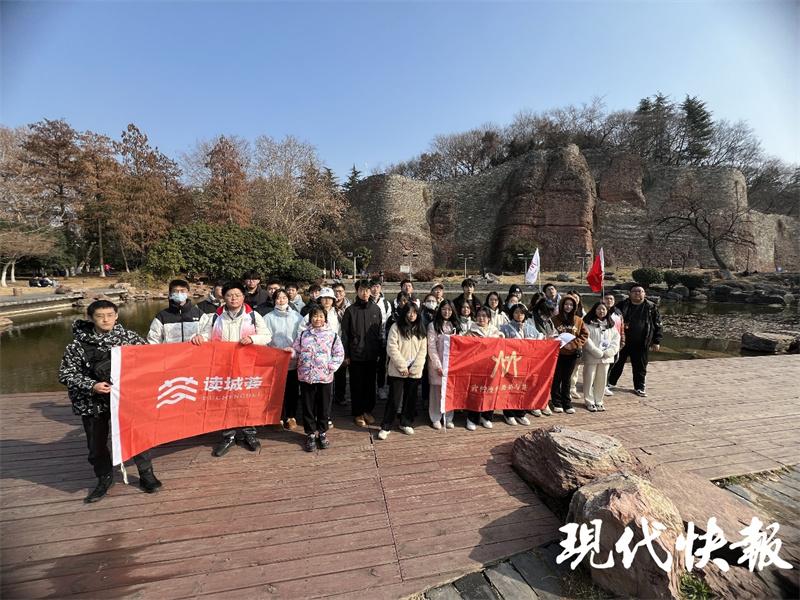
(166,392)
(497,373)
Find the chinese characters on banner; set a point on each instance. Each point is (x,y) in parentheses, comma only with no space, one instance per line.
(758,548)
(168,392)
(497,373)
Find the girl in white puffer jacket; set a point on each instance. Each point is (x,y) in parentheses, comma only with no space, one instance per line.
(598,355)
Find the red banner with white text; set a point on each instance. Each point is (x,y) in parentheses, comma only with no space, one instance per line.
(497,373)
(167,392)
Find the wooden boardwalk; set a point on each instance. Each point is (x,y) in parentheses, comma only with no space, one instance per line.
(363,519)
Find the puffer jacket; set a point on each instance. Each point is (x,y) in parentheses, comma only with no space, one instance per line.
(318,352)
(602,344)
(522,331)
(232,326)
(402,350)
(175,324)
(499,318)
(490,331)
(87,360)
(284,325)
(362,334)
(436,350)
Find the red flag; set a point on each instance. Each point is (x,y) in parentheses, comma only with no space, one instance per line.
(166,392)
(496,373)
(595,275)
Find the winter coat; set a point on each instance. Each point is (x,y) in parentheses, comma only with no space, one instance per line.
(649,322)
(87,361)
(489,332)
(257,298)
(174,324)
(385,307)
(297,304)
(578,329)
(362,336)
(499,318)
(599,336)
(522,331)
(436,351)
(333,321)
(474,304)
(619,325)
(402,350)
(232,326)
(545,325)
(210,304)
(284,325)
(318,352)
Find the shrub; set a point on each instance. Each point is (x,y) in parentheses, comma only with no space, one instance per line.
(301,271)
(672,278)
(425,275)
(647,276)
(394,276)
(141,279)
(691,280)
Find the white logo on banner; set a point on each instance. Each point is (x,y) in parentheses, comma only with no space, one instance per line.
(174,390)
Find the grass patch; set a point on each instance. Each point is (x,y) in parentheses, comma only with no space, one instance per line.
(578,584)
(694,588)
(742,479)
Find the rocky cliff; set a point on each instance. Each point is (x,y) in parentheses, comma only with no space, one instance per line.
(567,202)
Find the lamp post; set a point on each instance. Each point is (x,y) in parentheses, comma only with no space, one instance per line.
(583,256)
(354,256)
(466,257)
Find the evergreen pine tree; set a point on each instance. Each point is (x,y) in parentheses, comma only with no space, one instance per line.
(699,129)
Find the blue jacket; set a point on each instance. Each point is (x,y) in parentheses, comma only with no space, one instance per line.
(284,325)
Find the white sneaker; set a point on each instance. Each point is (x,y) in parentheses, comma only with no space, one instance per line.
(607,391)
(558,409)
(570,411)
(640,393)
(524,421)
(407,430)
(591,407)
(508,420)
(600,407)
(450,425)
(485,423)
(436,424)
(537,413)
(471,426)
(383,434)
(573,393)
(546,411)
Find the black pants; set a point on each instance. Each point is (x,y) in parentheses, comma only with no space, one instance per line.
(362,387)
(290,395)
(316,398)
(475,416)
(402,390)
(638,353)
(97,429)
(340,384)
(380,371)
(559,391)
(514,413)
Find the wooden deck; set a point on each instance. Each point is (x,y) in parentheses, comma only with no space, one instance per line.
(363,519)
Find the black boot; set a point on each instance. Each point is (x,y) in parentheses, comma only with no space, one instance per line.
(311,442)
(323,441)
(148,481)
(222,448)
(250,442)
(104,484)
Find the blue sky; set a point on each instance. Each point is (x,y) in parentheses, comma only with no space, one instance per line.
(371,83)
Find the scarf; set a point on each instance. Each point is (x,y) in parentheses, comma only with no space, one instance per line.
(247,326)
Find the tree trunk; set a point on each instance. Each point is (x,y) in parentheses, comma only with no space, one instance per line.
(3,276)
(720,262)
(100,243)
(14,271)
(125,258)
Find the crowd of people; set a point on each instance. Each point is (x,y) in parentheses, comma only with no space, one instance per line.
(391,349)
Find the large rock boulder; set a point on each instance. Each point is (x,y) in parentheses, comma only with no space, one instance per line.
(559,460)
(768,343)
(5,323)
(620,500)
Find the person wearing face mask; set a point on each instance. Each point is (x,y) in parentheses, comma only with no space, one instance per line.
(284,324)
(178,322)
(513,298)
(429,306)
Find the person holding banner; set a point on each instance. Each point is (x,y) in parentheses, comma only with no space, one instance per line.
(482,327)
(235,321)
(573,334)
(520,328)
(406,349)
(598,355)
(284,324)
(445,323)
(319,353)
(86,371)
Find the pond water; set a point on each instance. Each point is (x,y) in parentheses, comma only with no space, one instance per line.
(31,350)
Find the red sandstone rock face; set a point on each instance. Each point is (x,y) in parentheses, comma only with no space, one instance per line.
(550,203)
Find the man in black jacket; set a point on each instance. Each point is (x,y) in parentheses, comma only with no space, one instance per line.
(214,300)
(254,294)
(86,371)
(362,337)
(178,322)
(468,296)
(642,332)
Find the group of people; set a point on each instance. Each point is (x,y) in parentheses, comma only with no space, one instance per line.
(390,348)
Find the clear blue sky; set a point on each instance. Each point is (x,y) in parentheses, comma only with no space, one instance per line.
(371,82)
